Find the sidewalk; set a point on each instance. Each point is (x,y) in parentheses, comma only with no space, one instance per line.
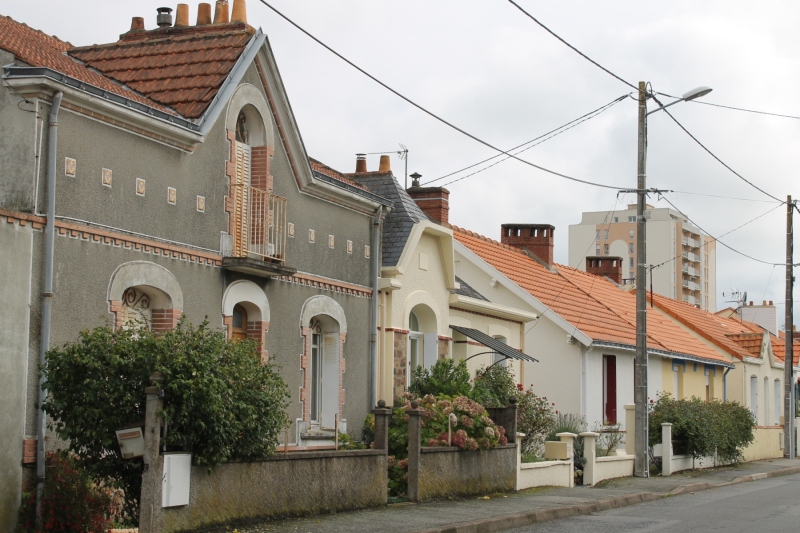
(504,511)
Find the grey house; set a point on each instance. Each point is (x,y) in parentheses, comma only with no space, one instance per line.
(178,185)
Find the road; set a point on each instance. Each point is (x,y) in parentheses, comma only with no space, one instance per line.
(759,507)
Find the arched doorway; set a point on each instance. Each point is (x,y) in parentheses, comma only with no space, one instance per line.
(239,323)
(423,340)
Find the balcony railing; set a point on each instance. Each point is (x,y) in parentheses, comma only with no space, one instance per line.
(260,224)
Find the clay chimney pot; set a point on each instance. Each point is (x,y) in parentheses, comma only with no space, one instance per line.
(385,165)
(361,163)
(203,14)
(221,14)
(239,13)
(137,23)
(182,15)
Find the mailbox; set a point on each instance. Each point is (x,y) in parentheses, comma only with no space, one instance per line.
(131,442)
(176,478)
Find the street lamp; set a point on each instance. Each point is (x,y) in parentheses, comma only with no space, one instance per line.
(641,464)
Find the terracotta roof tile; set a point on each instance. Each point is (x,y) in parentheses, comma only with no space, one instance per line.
(40,50)
(749,341)
(182,69)
(324,169)
(592,304)
(779,348)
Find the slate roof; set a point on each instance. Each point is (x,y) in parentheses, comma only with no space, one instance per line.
(38,49)
(400,220)
(592,304)
(182,68)
(467,290)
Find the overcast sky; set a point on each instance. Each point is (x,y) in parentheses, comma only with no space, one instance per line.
(485,67)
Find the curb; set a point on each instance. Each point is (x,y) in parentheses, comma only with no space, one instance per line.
(500,523)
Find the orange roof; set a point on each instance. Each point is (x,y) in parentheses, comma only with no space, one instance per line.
(779,347)
(592,304)
(749,341)
(182,68)
(40,50)
(322,168)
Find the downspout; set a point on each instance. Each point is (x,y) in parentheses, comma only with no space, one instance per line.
(725,385)
(47,295)
(584,378)
(373,338)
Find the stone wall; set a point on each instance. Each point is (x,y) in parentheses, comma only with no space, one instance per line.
(448,472)
(291,484)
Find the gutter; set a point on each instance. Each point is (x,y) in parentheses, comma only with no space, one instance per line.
(664,353)
(373,333)
(47,295)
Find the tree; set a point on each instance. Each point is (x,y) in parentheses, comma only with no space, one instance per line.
(220,403)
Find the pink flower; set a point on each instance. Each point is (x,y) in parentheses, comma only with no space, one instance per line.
(471,444)
(433,442)
(520,387)
(489,432)
(459,438)
(403,464)
(503,440)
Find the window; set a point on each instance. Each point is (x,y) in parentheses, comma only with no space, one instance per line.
(630,260)
(631,233)
(766,401)
(609,389)
(597,235)
(415,346)
(499,359)
(239,325)
(630,248)
(597,250)
(708,387)
(632,219)
(777,402)
(605,249)
(754,397)
(605,234)
(616,219)
(316,376)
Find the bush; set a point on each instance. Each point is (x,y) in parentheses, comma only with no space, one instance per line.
(572,423)
(70,501)
(536,417)
(444,378)
(611,436)
(703,428)
(493,386)
(221,402)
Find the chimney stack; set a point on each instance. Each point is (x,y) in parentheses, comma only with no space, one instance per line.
(434,201)
(361,163)
(137,23)
(610,267)
(385,164)
(203,14)
(535,238)
(164,18)
(182,16)
(239,11)
(221,14)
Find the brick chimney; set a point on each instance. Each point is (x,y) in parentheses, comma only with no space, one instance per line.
(605,266)
(361,163)
(535,238)
(434,201)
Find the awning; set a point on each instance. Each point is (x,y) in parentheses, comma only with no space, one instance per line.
(493,344)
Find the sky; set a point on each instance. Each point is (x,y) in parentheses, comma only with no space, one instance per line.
(488,69)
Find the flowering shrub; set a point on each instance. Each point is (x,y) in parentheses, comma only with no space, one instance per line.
(493,386)
(536,417)
(70,501)
(471,429)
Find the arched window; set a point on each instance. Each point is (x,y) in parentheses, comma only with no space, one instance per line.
(242,133)
(136,308)
(777,395)
(239,323)
(423,341)
(754,397)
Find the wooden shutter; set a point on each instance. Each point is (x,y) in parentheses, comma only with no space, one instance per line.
(241,200)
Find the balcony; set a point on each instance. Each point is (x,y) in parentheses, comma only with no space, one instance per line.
(258,243)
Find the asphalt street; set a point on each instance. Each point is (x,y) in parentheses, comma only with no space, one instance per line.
(761,506)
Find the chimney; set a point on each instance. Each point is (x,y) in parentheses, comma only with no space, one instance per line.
(385,165)
(610,267)
(434,201)
(239,11)
(137,23)
(182,15)
(221,14)
(203,14)
(770,303)
(164,18)
(535,238)
(361,163)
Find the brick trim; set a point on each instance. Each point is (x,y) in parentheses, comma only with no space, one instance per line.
(327,284)
(29,447)
(165,319)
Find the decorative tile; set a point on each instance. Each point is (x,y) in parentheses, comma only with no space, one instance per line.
(106,177)
(172,195)
(331,241)
(70,167)
(290,229)
(366,251)
(140,186)
(312,235)
(349,247)
(201,204)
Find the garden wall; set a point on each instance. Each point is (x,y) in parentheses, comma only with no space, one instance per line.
(768,444)
(449,471)
(290,484)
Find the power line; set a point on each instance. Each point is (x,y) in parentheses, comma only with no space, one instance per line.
(733,107)
(554,34)
(727,197)
(545,137)
(430,113)
(712,154)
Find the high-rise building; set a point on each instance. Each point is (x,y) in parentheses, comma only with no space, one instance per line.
(683,257)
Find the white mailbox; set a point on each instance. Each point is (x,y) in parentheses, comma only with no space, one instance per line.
(131,442)
(175,481)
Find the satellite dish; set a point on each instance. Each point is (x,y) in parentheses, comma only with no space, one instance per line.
(744,298)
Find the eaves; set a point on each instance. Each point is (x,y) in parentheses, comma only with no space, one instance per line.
(661,353)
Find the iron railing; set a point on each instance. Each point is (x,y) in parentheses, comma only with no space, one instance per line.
(261,224)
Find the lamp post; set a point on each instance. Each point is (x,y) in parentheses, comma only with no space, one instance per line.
(641,464)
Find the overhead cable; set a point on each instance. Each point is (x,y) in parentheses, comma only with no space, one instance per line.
(703,102)
(430,113)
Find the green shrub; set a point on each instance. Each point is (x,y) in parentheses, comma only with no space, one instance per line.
(446,377)
(221,402)
(493,386)
(536,417)
(71,502)
(703,428)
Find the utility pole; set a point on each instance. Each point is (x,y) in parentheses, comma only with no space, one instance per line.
(788,361)
(641,466)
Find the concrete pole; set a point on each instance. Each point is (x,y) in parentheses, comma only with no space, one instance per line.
(641,467)
(788,362)
(590,454)
(381,437)
(630,429)
(150,499)
(414,450)
(666,449)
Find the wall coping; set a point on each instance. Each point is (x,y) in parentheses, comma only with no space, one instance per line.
(543,464)
(613,458)
(322,454)
(448,449)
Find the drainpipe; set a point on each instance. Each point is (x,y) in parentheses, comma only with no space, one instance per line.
(47,295)
(373,339)
(725,385)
